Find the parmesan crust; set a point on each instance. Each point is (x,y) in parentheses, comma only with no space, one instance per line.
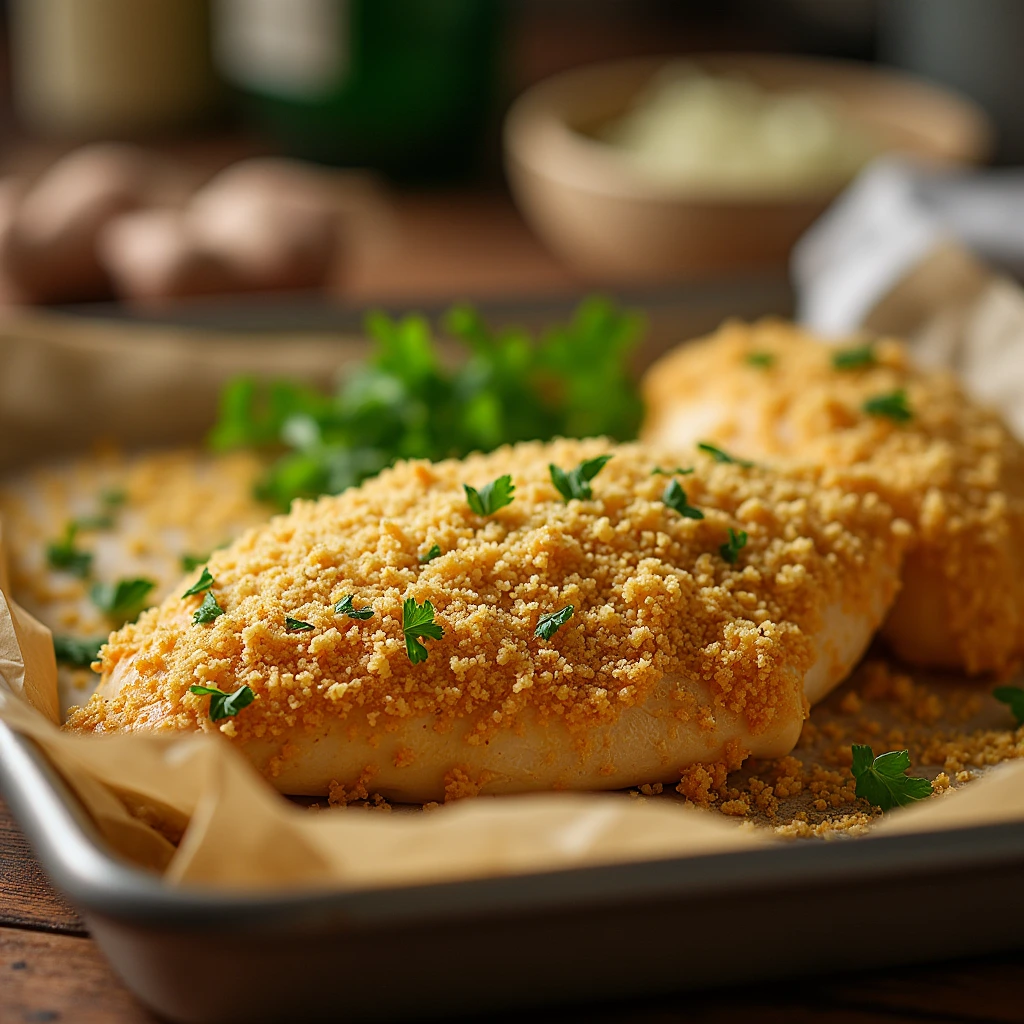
(673,655)
(953,471)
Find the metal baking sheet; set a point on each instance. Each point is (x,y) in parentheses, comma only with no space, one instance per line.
(496,944)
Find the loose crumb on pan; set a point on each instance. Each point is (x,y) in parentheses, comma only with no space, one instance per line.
(652,596)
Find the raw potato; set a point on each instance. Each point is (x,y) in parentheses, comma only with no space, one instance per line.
(153,256)
(50,252)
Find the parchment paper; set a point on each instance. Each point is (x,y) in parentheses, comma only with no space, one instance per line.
(193,809)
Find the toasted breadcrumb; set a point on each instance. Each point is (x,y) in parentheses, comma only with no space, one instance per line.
(954,471)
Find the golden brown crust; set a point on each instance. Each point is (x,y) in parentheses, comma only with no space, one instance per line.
(954,471)
(653,597)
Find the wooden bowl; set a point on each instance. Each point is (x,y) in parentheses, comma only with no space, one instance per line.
(606,217)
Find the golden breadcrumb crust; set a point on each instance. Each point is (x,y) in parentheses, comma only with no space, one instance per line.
(652,594)
(953,471)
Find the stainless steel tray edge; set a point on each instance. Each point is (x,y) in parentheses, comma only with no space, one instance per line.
(952,893)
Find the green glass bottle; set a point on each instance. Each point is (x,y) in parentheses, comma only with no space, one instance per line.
(402,86)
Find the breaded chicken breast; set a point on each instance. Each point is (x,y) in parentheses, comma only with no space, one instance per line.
(772,393)
(413,638)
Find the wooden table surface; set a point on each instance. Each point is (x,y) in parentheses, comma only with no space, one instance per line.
(50,970)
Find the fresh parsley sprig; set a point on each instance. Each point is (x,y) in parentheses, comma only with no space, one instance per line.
(297,625)
(730,551)
(678,471)
(222,704)
(491,497)
(407,401)
(719,455)
(124,600)
(883,781)
(550,622)
(63,554)
(207,611)
(762,360)
(675,497)
(346,607)
(576,482)
(1013,696)
(858,357)
(893,406)
(417,624)
(73,651)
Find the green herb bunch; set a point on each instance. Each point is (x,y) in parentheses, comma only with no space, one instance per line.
(405,402)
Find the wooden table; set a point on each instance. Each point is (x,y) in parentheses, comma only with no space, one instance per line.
(476,246)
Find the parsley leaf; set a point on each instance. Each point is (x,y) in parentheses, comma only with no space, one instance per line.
(722,456)
(73,651)
(97,522)
(434,551)
(762,360)
(858,357)
(205,582)
(497,494)
(124,600)
(675,497)
(550,622)
(418,622)
(345,607)
(1014,697)
(408,402)
(207,611)
(883,781)
(730,551)
(189,563)
(222,704)
(892,406)
(678,471)
(297,625)
(113,496)
(576,483)
(62,554)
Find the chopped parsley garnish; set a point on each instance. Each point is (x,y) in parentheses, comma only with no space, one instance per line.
(675,497)
(857,358)
(207,611)
(892,406)
(576,483)
(345,607)
(222,704)
(62,554)
(730,551)
(550,622)
(883,781)
(77,652)
(722,456)
(123,600)
(497,494)
(189,563)
(678,471)
(434,551)
(407,401)
(205,582)
(417,623)
(762,360)
(1014,697)
(297,625)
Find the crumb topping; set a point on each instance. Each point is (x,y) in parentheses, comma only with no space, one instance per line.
(652,596)
(953,470)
